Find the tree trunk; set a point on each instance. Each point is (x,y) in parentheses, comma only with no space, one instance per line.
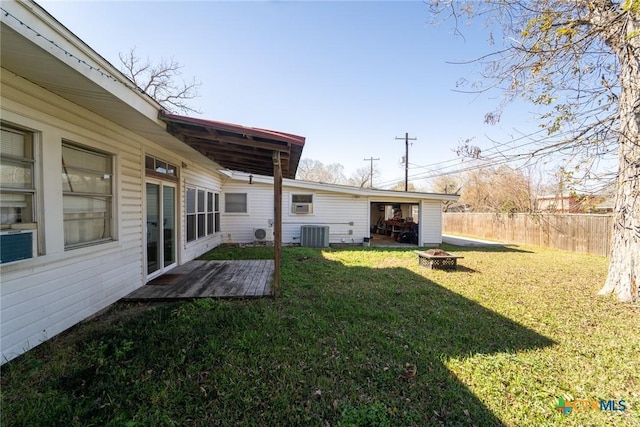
(623,278)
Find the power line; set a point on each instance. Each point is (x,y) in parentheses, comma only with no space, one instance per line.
(406,159)
(502,157)
(102,72)
(371,159)
(495,147)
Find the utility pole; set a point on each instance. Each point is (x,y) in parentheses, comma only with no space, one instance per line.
(406,159)
(371,159)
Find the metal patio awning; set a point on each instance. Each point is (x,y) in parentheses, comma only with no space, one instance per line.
(238,147)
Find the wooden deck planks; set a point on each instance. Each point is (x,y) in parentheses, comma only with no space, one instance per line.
(213,279)
(258,281)
(265,278)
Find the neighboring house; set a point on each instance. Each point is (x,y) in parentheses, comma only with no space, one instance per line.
(606,205)
(572,203)
(101,191)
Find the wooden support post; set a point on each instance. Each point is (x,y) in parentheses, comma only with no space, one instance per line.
(277,221)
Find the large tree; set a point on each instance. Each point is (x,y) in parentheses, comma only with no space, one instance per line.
(446,184)
(316,171)
(497,189)
(579,61)
(363,177)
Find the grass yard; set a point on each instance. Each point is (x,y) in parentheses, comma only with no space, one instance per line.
(359,337)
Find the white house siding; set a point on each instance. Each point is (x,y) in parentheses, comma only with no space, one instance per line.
(430,222)
(44,296)
(238,227)
(334,210)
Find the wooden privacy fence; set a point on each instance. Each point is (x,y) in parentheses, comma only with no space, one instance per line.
(583,233)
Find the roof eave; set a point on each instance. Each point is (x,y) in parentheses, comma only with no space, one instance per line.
(345,189)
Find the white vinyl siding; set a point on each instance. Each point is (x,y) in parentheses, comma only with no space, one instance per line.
(430,223)
(345,215)
(43,297)
(348,215)
(238,228)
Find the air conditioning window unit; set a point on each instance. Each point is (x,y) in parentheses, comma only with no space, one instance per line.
(16,245)
(263,234)
(302,208)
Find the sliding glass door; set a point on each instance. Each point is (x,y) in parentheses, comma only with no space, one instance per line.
(160,227)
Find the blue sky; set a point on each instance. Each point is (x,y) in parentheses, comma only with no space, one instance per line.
(349,76)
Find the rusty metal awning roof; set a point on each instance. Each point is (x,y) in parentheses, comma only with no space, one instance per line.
(237,147)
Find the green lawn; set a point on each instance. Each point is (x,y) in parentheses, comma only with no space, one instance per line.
(359,336)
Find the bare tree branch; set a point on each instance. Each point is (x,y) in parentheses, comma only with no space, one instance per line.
(161,81)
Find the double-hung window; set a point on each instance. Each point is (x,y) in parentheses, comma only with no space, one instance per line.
(203,213)
(17,187)
(18,240)
(87,195)
(191,214)
(216,212)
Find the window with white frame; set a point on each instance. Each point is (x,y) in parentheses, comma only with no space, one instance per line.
(216,211)
(87,195)
(202,214)
(17,182)
(191,214)
(235,202)
(213,213)
(18,240)
(160,168)
(202,208)
(302,203)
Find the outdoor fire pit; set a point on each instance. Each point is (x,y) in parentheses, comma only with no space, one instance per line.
(438,259)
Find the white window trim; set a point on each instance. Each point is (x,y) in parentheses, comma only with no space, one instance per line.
(248,204)
(36,191)
(295,211)
(208,233)
(114,222)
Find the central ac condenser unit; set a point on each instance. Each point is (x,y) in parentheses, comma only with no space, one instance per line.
(314,236)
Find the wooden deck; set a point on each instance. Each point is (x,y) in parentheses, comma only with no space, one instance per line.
(209,279)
